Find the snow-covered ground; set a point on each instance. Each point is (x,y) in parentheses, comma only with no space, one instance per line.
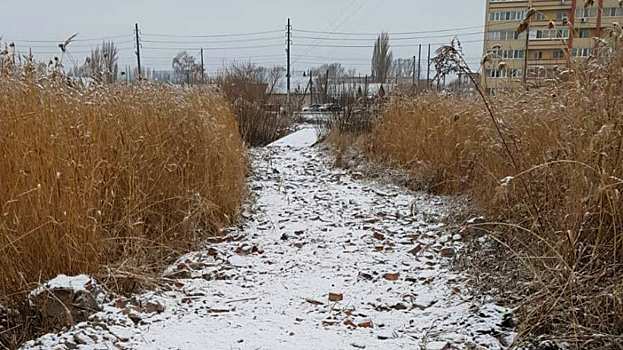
(324,259)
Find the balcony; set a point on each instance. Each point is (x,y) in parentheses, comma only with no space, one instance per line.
(552,4)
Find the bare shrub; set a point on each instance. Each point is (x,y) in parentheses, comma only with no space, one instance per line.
(245,86)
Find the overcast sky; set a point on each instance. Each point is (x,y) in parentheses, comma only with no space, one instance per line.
(43,20)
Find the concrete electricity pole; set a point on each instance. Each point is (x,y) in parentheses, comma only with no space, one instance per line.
(138,51)
(289,42)
(202,69)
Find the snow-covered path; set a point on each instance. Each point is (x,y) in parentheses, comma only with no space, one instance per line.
(313,230)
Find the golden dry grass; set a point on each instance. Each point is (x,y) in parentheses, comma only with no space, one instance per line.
(565,223)
(109,175)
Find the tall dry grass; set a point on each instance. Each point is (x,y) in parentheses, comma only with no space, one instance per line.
(112,175)
(559,208)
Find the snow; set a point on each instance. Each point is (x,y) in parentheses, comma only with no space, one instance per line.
(302,138)
(76,283)
(312,230)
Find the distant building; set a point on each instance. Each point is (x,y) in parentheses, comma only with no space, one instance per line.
(547,47)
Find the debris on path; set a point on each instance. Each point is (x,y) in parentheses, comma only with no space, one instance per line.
(322,260)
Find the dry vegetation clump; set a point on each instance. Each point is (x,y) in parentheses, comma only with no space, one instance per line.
(260,124)
(552,177)
(116,175)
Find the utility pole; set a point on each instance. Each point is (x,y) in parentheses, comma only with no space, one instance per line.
(367,92)
(419,66)
(289,42)
(326,89)
(138,51)
(460,83)
(203,69)
(311,88)
(413,71)
(428,72)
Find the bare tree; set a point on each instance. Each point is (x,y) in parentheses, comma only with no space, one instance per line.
(274,78)
(185,68)
(101,65)
(382,58)
(402,67)
(336,70)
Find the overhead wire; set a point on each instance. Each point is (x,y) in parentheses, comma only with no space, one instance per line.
(403,45)
(406,33)
(77,39)
(311,47)
(213,35)
(166,42)
(212,42)
(211,48)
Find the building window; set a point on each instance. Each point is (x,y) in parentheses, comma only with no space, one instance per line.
(540,16)
(612,11)
(504,73)
(590,12)
(583,33)
(582,52)
(549,34)
(499,16)
(560,15)
(558,54)
(538,55)
(504,35)
(509,54)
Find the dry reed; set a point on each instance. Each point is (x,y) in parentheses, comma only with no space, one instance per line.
(566,139)
(108,175)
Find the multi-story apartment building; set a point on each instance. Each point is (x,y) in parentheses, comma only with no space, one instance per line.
(575,27)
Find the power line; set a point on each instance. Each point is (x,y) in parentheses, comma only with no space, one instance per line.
(71,45)
(212,36)
(353,31)
(393,46)
(395,39)
(211,48)
(407,33)
(74,40)
(74,52)
(214,42)
(311,47)
(217,58)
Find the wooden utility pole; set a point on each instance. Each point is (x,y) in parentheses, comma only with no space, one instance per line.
(428,72)
(289,42)
(138,51)
(203,69)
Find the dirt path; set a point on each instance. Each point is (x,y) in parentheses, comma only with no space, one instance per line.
(312,230)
